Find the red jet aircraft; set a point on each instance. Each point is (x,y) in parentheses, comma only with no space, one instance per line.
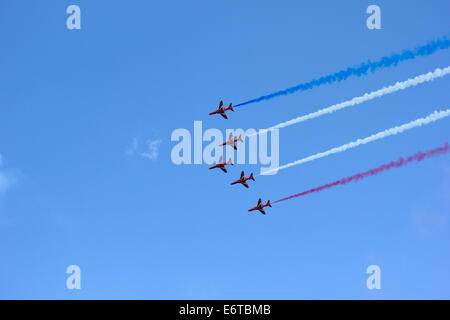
(261,206)
(232,142)
(221,164)
(243,179)
(221,110)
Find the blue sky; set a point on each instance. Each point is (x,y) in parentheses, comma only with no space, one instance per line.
(73,103)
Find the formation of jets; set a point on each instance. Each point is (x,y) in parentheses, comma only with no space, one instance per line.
(232,142)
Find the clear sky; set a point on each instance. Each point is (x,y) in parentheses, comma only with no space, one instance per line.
(86,176)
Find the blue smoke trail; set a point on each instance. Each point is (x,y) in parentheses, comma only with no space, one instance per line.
(371,66)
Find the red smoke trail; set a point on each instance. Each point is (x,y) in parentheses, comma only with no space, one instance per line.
(394,164)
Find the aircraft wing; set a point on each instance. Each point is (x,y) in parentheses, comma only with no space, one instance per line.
(223,169)
(224,115)
(245,184)
(259,201)
(262,211)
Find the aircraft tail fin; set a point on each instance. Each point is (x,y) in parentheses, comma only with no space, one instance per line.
(268,203)
(229,161)
(230,107)
(251,176)
(240,138)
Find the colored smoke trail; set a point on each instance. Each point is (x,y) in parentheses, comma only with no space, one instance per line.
(418,157)
(437,115)
(430,76)
(372,66)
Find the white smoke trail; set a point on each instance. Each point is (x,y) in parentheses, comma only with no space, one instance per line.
(438,73)
(380,135)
